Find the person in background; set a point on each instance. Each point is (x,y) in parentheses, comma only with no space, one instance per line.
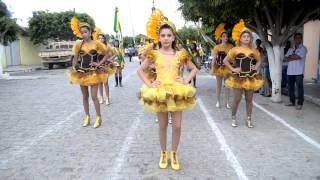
(296,58)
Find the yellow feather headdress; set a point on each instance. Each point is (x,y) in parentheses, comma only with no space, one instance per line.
(76,25)
(156,20)
(219,30)
(238,29)
(96,33)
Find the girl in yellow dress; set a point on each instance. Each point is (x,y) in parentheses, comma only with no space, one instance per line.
(87,69)
(219,52)
(104,86)
(168,92)
(244,77)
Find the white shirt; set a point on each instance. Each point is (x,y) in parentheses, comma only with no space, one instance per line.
(296,67)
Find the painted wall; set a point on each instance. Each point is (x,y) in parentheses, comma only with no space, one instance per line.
(28,52)
(4,59)
(311,39)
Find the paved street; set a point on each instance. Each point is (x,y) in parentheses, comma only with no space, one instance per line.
(41,135)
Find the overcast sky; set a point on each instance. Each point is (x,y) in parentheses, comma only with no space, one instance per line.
(133,13)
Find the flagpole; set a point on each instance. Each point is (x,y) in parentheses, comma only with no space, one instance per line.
(133,33)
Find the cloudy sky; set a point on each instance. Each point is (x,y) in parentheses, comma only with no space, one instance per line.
(133,13)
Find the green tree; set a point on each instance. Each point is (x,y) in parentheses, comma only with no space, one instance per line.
(44,25)
(273,20)
(188,33)
(126,41)
(8,30)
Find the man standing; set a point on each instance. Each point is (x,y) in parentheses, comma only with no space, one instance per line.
(132,52)
(296,57)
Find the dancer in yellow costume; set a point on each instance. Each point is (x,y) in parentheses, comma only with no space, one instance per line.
(104,86)
(244,77)
(87,69)
(168,92)
(218,69)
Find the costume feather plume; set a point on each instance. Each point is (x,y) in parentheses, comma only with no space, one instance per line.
(74,23)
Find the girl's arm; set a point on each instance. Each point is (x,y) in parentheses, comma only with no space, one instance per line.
(143,76)
(193,71)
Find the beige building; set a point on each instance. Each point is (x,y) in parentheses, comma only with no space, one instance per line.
(311,39)
(21,52)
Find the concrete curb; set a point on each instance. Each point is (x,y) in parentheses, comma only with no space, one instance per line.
(22,70)
(312,99)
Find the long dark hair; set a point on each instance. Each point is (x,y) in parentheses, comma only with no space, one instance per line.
(104,37)
(166,26)
(115,43)
(194,50)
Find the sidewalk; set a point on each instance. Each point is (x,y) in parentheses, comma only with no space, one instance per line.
(22,68)
(312,92)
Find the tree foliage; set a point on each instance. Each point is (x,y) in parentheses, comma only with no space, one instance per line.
(188,33)
(8,26)
(44,26)
(281,17)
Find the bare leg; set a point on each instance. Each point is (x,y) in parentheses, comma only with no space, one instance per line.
(163,126)
(249,102)
(85,99)
(94,97)
(236,100)
(226,96)
(176,129)
(218,90)
(106,86)
(101,89)
(267,87)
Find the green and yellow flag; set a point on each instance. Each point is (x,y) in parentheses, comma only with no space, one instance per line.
(116,26)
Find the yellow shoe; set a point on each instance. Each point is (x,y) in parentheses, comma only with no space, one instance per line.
(175,165)
(163,163)
(98,122)
(86,121)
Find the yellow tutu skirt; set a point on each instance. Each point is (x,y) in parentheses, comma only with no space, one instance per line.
(234,81)
(220,70)
(169,97)
(91,77)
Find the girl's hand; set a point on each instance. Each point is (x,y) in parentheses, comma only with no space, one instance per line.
(181,80)
(94,64)
(255,68)
(154,84)
(236,70)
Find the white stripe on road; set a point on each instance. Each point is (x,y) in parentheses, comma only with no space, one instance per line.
(283,122)
(223,144)
(125,147)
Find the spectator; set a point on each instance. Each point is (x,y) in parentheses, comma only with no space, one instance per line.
(132,52)
(296,57)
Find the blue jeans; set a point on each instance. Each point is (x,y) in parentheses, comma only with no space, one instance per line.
(298,80)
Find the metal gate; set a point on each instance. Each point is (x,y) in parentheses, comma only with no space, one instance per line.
(13,53)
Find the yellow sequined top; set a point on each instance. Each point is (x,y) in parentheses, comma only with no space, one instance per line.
(168,71)
(221,51)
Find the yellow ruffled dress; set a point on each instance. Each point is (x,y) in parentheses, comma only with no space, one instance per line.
(170,95)
(84,74)
(219,69)
(245,59)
